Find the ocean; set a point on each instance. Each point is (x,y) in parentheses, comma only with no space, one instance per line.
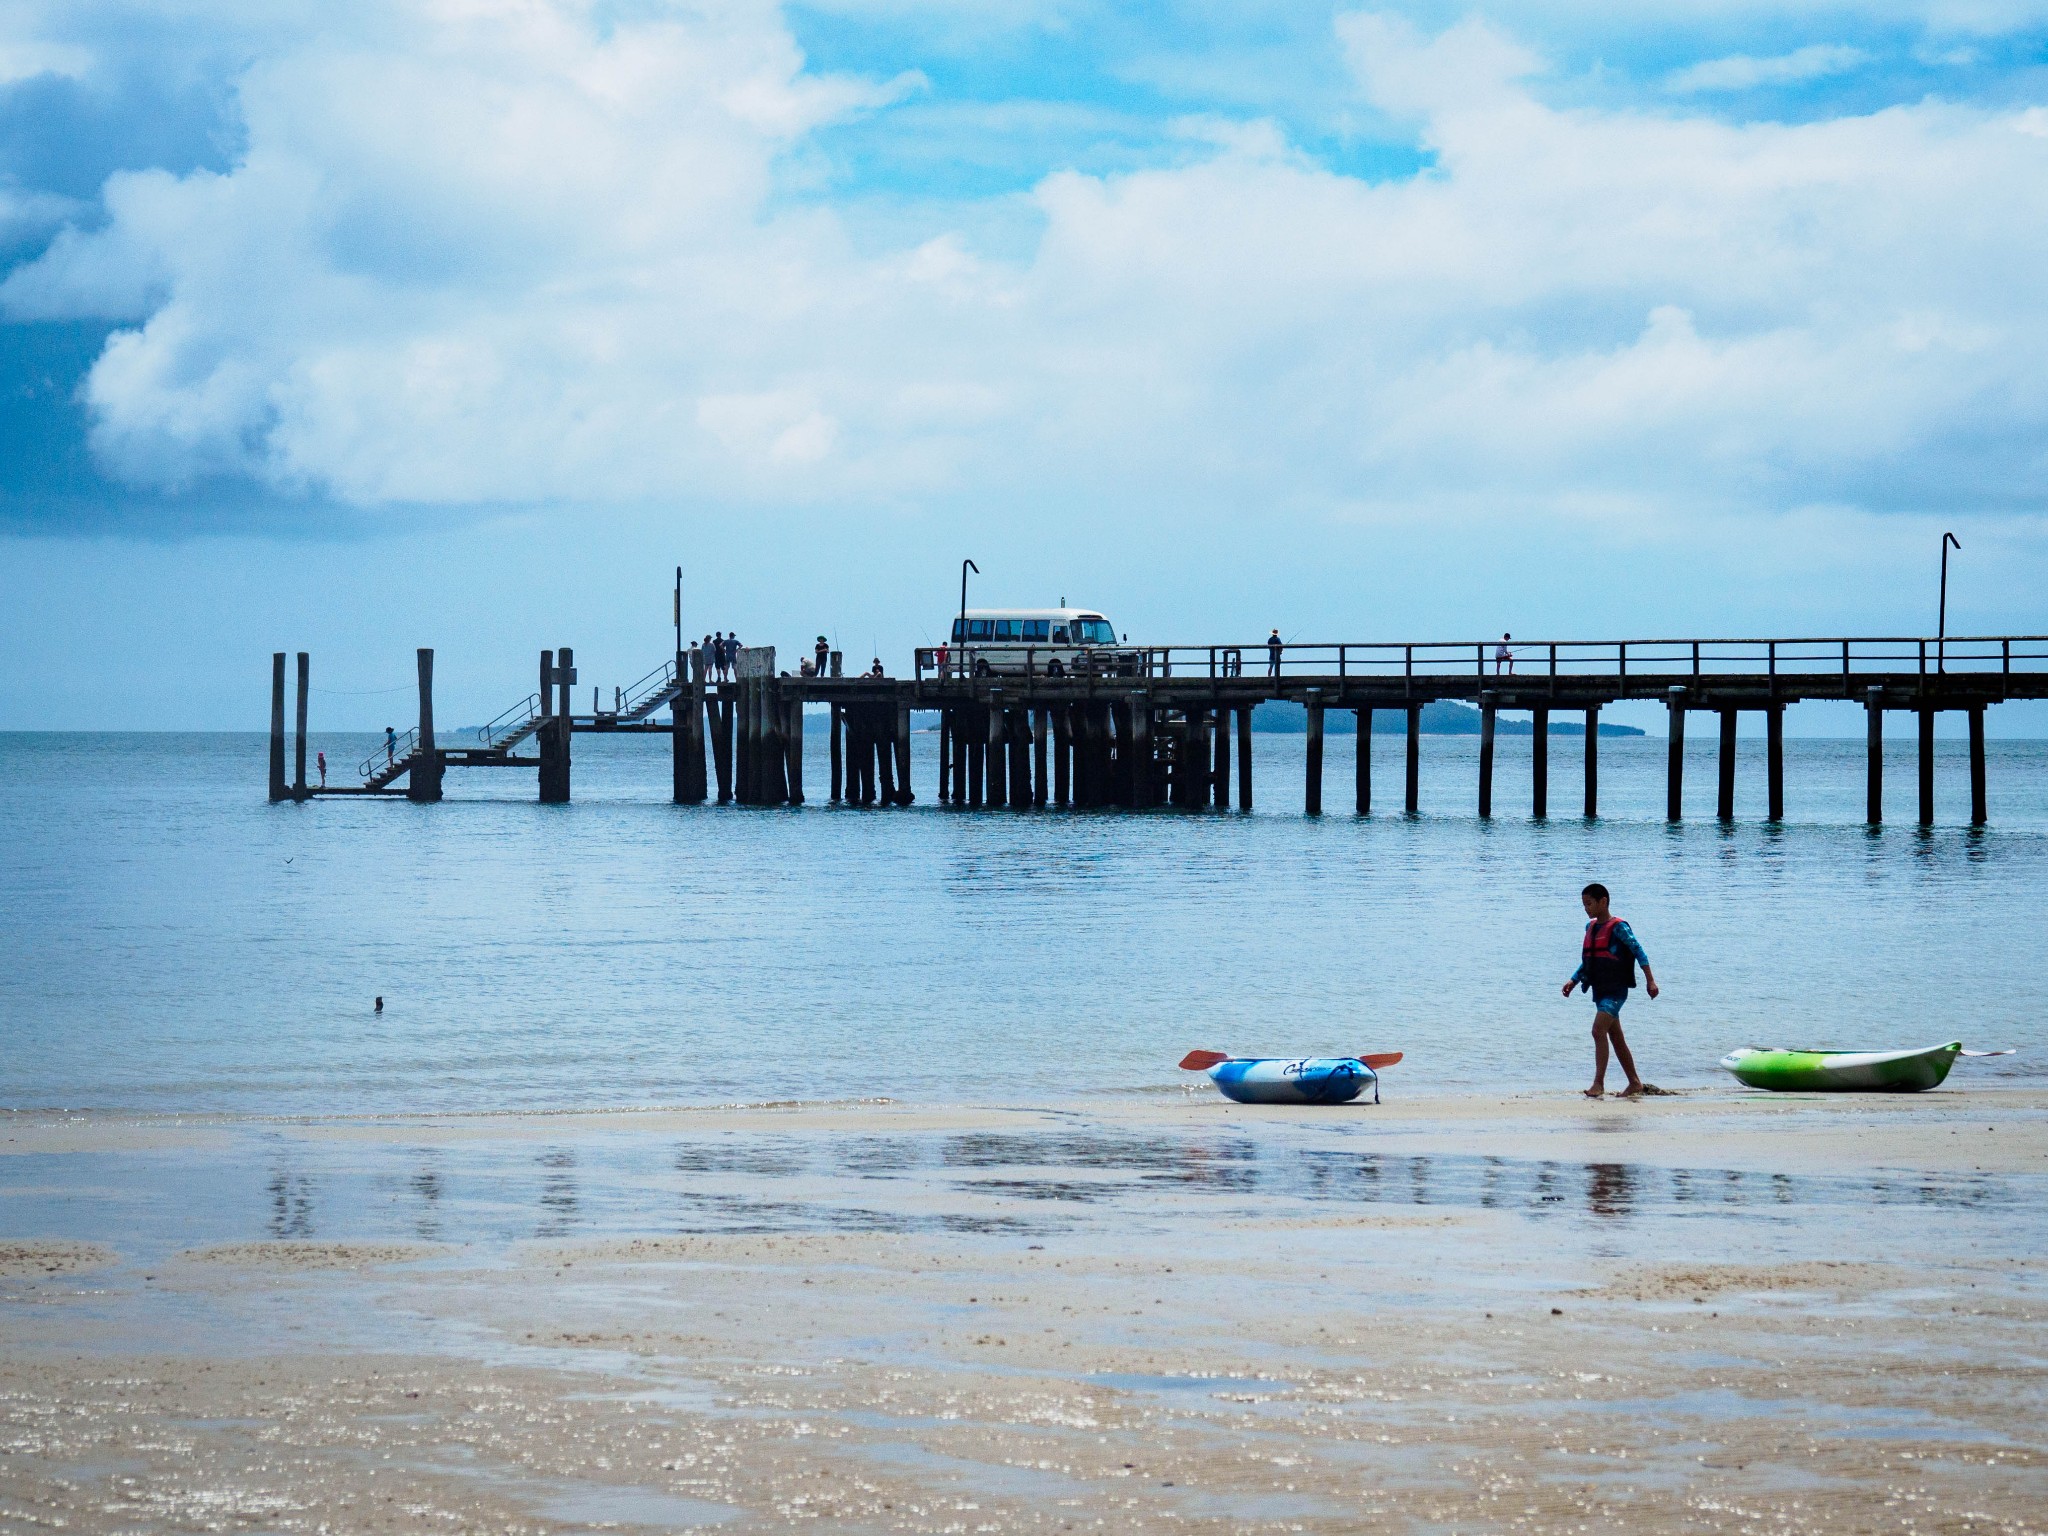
(170,942)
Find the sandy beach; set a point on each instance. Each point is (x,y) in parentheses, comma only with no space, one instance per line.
(1719,1311)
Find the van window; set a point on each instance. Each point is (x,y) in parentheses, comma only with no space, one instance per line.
(1094,632)
(1059,635)
(977,629)
(1037,629)
(1006,629)
(957,635)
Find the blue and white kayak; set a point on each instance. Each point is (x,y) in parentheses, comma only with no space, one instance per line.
(1303,1080)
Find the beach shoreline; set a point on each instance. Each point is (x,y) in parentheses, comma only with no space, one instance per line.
(1482,1311)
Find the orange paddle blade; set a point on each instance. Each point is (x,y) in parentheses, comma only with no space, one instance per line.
(1202,1061)
(1383,1059)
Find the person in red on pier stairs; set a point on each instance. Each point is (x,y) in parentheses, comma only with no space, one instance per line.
(1608,957)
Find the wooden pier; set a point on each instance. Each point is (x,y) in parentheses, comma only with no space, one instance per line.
(1171,725)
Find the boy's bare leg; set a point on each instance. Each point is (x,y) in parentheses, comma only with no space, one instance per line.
(1627,1059)
(1601,1023)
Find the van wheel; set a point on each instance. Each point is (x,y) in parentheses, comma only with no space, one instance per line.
(1055,668)
(981,667)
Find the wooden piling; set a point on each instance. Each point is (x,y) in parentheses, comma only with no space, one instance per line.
(1244,757)
(998,751)
(974,727)
(1062,755)
(882,728)
(1487,712)
(1978,808)
(745,790)
(834,729)
(945,756)
(299,740)
(551,734)
(961,714)
(1362,772)
(1592,762)
(1539,763)
(1873,791)
(1926,767)
(1674,758)
(1219,781)
(1018,730)
(1414,785)
(793,747)
(684,731)
(1774,767)
(278,788)
(1144,774)
(1313,797)
(1041,743)
(718,714)
(423,784)
(905,795)
(1724,796)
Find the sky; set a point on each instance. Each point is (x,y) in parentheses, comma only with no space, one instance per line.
(463,323)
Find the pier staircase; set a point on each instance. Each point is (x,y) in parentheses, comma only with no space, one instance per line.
(391,762)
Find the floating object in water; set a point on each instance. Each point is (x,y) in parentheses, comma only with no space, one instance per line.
(1848,1071)
(1305,1080)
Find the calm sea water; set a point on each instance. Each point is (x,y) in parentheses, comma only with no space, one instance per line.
(169,941)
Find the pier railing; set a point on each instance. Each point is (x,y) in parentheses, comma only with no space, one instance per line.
(387,757)
(513,725)
(1796,655)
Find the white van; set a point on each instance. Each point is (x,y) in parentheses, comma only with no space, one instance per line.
(1047,642)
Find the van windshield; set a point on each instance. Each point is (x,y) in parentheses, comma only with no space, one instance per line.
(1094,632)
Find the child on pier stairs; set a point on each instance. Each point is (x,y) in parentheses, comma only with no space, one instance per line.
(1607,968)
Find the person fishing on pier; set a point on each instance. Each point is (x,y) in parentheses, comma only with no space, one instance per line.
(823,651)
(1274,644)
(1608,957)
(1504,657)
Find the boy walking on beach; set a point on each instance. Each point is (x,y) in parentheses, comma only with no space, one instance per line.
(1607,968)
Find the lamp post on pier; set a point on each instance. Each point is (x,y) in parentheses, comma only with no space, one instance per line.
(960,640)
(1941,621)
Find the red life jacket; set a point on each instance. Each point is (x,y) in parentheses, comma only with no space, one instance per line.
(1608,966)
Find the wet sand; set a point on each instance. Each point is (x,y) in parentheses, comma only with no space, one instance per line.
(1714,1312)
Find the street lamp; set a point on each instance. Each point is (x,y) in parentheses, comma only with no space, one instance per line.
(960,640)
(1941,623)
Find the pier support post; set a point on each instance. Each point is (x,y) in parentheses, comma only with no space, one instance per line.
(1219,781)
(1724,793)
(905,795)
(974,732)
(1674,766)
(998,751)
(793,747)
(1977,806)
(945,756)
(1200,762)
(1592,762)
(882,727)
(1873,791)
(1062,755)
(1144,784)
(423,784)
(718,714)
(684,729)
(1362,774)
(1314,793)
(552,736)
(836,729)
(746,787)
(299,740)
(1018,728)
(1487,712)
(1414,775)
(278,789)
(1539,764)
(1244,757)
(1774,771)
(1926,767)
(1041,742)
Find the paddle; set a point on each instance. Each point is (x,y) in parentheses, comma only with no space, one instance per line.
(1202,1061)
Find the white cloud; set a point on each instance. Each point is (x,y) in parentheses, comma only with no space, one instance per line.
(1741,72)
(498,254)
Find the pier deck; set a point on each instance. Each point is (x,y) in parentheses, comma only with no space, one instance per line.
(1157,725)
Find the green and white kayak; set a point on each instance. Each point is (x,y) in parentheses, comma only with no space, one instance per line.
(1847,1071)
